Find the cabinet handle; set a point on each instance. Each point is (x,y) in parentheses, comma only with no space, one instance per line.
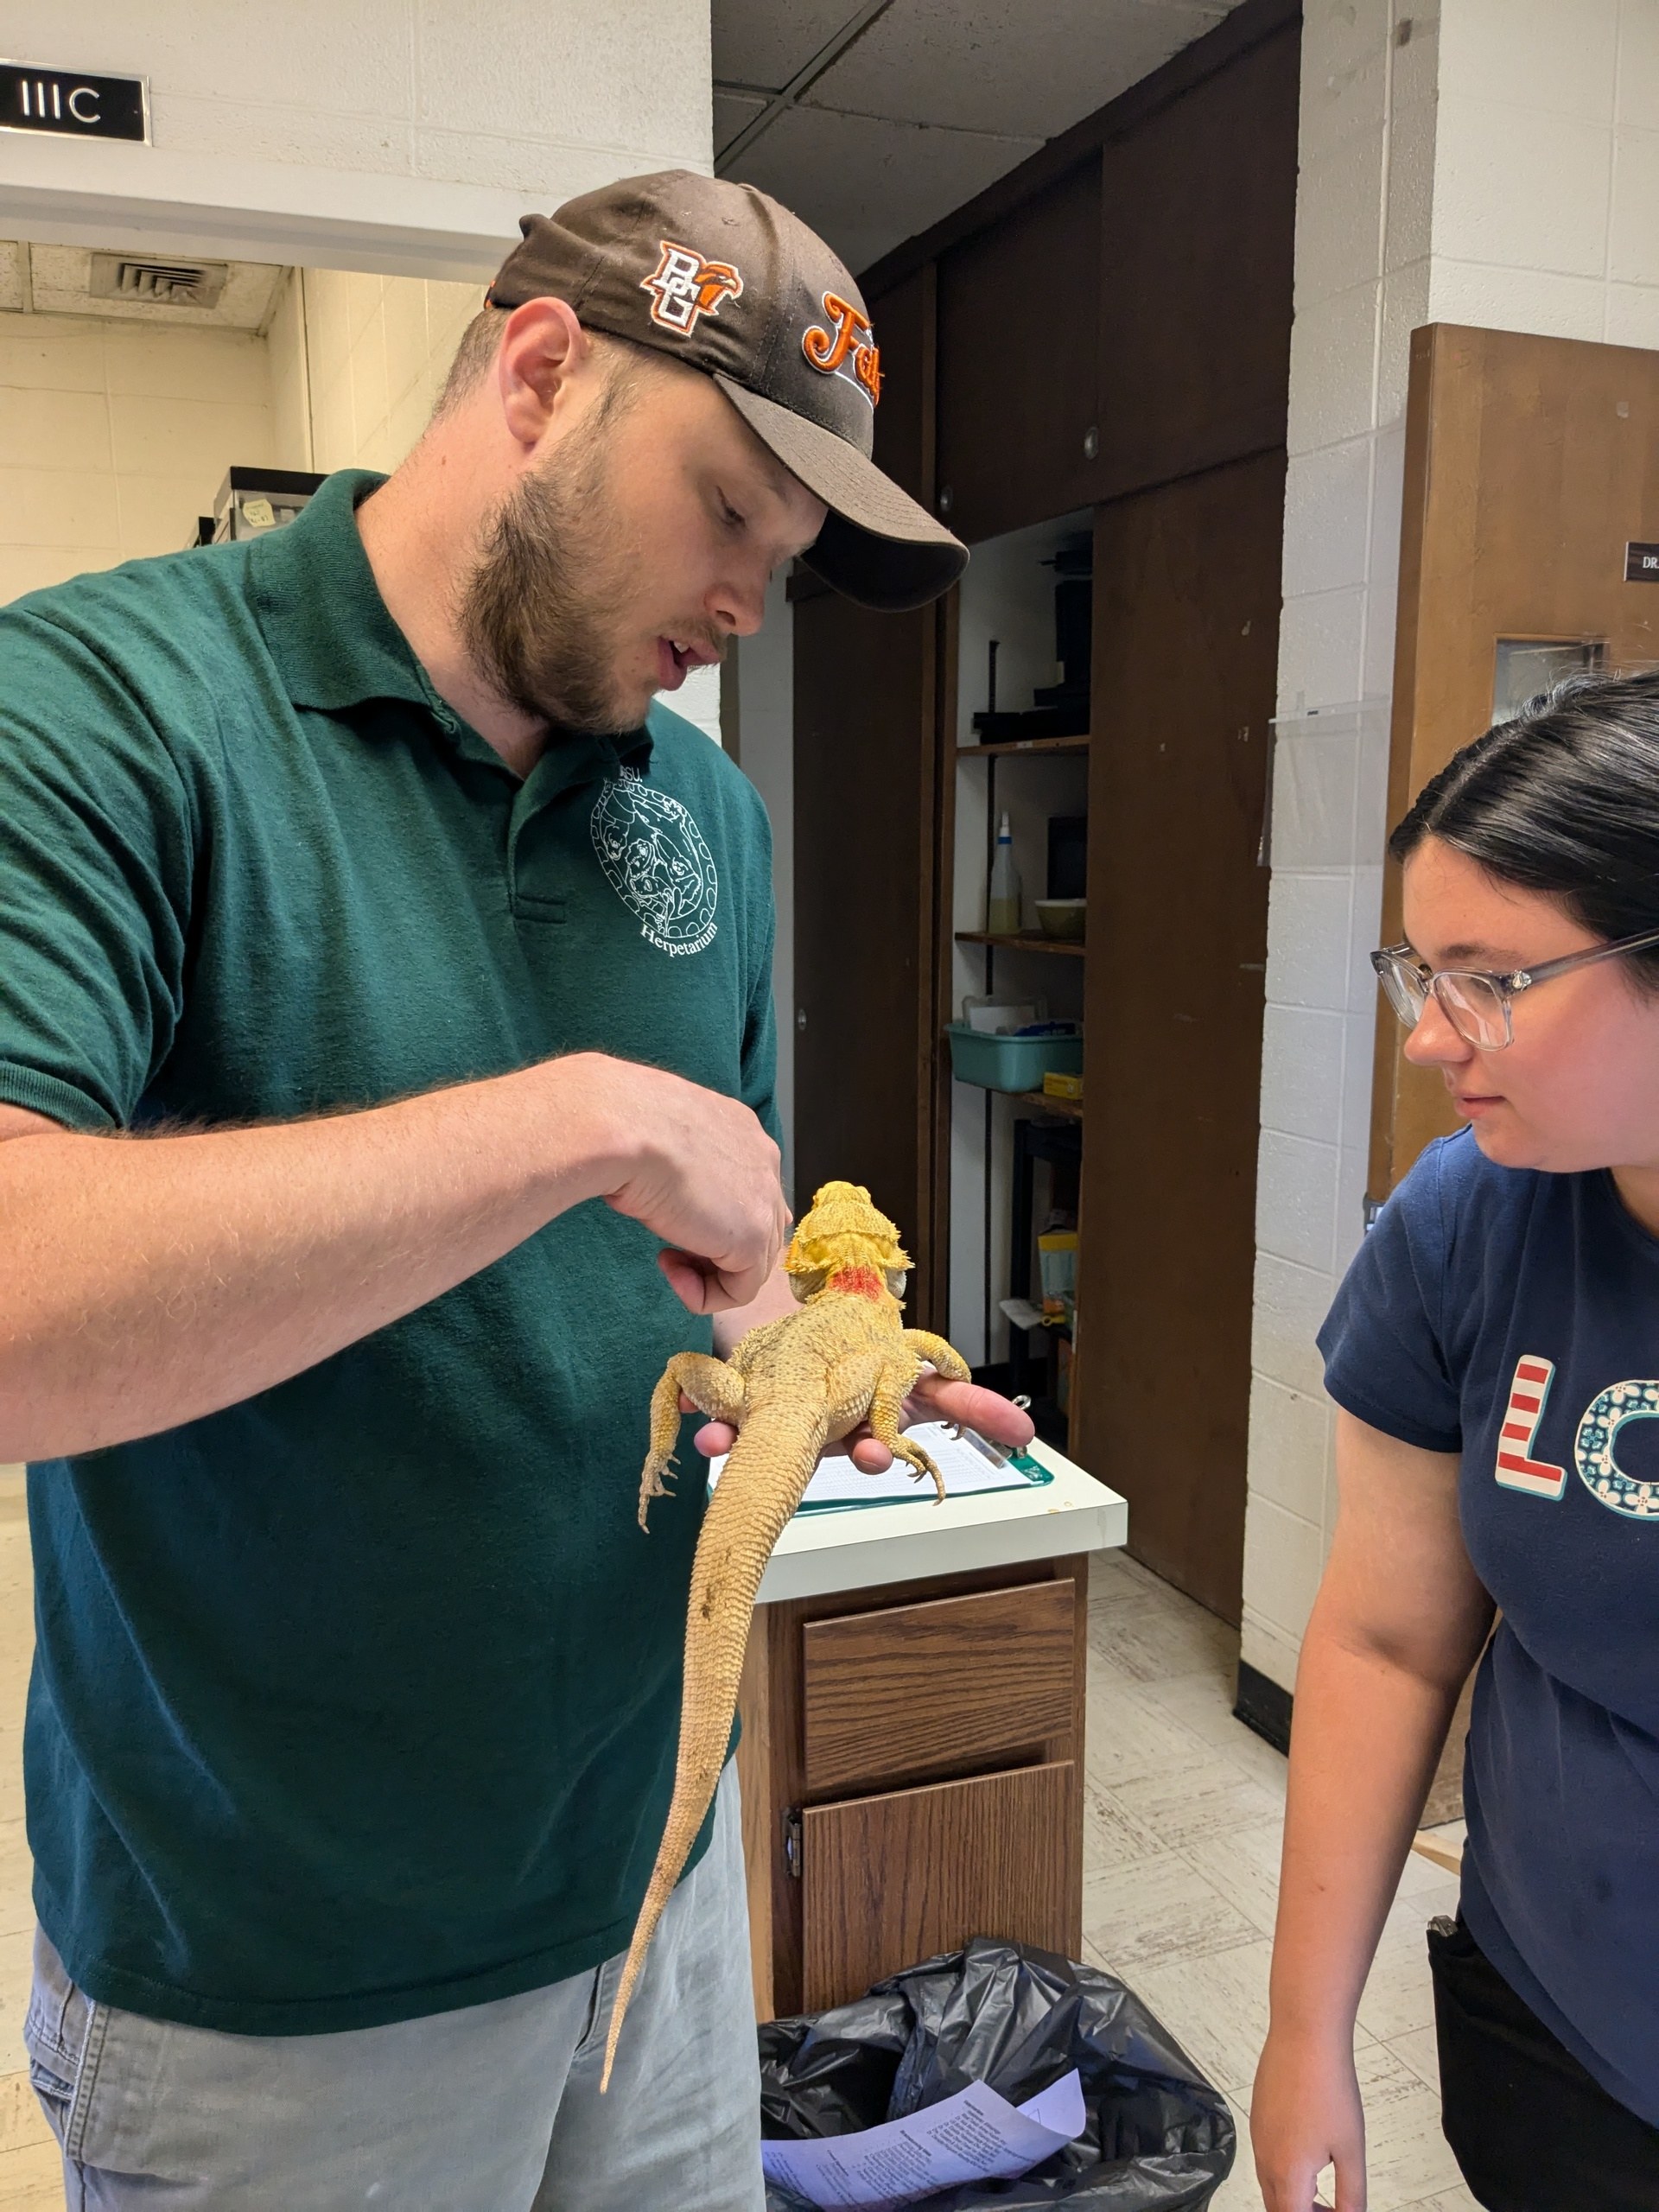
(792,1841)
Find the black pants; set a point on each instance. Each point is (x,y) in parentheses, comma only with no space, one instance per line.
(1531,2130)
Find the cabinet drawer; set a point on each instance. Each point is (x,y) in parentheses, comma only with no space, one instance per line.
(952,1683)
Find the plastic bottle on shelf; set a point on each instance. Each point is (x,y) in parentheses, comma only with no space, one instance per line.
(1002,901)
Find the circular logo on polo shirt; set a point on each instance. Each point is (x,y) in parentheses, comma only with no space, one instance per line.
(1598,1434)
(657,862)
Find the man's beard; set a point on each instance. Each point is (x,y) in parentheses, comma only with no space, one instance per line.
(537,612)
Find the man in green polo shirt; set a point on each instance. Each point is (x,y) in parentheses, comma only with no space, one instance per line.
(386,1091)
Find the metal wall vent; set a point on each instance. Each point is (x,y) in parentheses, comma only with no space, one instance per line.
(161,284)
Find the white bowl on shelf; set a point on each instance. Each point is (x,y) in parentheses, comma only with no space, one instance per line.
(1062,918)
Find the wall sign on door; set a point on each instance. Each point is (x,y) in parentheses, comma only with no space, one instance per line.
(70,104)
(1641,563)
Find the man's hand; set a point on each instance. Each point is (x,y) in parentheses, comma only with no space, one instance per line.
(698,1169)
(933,1399)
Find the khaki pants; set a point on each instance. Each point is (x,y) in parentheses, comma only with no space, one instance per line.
(493,2108)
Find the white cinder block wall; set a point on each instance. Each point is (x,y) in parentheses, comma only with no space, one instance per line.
(115,435)
(404,134)
(1488,161)
(376,350)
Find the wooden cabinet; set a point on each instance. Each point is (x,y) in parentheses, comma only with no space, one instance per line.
(912,1771)
(1018,307)
(1133,278)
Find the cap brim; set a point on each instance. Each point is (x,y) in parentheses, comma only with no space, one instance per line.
(878,546)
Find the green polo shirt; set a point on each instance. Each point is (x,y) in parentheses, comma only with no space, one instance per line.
(358,1701)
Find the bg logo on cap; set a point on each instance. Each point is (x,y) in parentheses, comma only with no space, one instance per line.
(848,340)
(683,286)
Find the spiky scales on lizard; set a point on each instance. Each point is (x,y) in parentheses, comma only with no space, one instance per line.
(789,1387)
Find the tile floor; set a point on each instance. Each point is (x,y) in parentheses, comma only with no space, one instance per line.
(1181,1855)
(1182,1821)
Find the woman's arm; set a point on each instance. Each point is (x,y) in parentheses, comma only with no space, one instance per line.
(1399,1622)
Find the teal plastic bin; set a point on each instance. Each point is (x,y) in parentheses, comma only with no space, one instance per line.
(999,1063)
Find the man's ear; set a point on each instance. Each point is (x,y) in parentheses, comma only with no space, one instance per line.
(543,348)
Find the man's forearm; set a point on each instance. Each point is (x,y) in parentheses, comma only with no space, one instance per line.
(147,1281)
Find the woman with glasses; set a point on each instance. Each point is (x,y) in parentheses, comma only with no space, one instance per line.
(1494,1355)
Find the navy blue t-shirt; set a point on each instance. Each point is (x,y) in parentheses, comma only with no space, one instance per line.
(1513,1318)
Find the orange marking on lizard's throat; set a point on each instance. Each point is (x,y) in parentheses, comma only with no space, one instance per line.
(858,1282)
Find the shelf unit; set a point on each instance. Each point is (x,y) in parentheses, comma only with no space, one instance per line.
(1065,1116)
(1039,1101)
(1074,946)
(1045,747)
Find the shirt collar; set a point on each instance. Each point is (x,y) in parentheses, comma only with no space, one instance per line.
(319,609)
(329,631)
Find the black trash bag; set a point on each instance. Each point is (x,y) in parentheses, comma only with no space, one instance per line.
(1158,2137)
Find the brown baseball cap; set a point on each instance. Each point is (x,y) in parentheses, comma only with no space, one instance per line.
(719,276)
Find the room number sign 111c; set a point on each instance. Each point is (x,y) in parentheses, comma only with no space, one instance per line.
(68,103)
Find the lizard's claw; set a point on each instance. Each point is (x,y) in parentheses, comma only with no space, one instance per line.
(651,1484)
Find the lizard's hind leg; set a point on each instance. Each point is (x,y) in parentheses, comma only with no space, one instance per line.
(886,1407)
(713,1386)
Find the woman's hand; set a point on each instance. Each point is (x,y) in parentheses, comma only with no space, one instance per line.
(1306,2115)
(933,1399)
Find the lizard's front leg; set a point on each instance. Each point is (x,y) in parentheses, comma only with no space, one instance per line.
(897,1379)
(942,1358)
(713,1386)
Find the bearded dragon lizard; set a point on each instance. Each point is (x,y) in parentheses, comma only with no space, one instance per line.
(789,1387)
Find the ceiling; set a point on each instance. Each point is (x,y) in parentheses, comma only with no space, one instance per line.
(873,119)
(58,280)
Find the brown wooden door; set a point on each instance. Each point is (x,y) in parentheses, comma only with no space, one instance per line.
(864,969)
(1529,464)
(890,1880)
(1186,620)
(872,819)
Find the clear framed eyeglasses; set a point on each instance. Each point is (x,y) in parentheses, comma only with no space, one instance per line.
(1479,1003)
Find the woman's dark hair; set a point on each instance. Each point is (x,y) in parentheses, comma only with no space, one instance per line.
(1564,800)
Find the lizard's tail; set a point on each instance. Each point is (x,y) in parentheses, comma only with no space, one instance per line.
(771,1465)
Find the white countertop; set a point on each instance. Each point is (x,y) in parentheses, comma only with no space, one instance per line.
(822,1552)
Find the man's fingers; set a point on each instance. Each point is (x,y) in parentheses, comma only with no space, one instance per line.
(714,1438)
(971,1406)
(702,1288)
(869,1457)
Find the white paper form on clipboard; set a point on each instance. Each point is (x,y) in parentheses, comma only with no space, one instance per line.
(969,1466)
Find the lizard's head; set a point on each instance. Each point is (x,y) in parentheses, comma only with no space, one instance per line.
(845,1242)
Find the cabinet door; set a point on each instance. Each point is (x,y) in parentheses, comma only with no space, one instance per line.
(890,1880)
(863,921)
(1186,622)
(1198,217)
(1018,321)
(871,820)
